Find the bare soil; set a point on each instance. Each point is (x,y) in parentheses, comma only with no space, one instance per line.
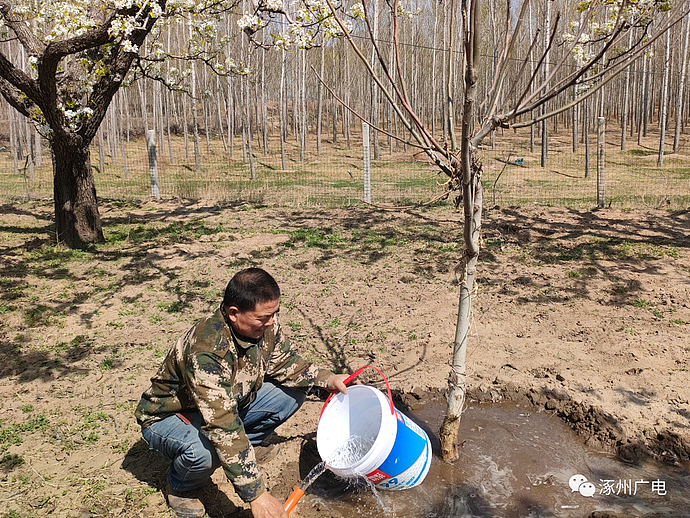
(585,314)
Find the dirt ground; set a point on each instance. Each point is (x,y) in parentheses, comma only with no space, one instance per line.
(584,314)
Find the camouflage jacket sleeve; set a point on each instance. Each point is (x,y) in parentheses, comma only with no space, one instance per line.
(288,368)
(210,384)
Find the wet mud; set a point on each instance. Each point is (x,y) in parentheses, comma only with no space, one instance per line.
(522,453)
(594,426)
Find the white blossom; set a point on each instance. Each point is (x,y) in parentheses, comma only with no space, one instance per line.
(156,10)
(274,5)
(249,21)
(123,4)
(128,46)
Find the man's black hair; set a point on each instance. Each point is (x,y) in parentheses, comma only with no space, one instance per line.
(250,287)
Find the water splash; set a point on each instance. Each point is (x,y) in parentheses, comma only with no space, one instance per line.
(372,486)
(346,454)
(313,475)
(349,452)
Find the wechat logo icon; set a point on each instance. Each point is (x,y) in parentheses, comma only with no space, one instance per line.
(579,483)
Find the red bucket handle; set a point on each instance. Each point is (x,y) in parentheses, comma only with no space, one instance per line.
(352,377)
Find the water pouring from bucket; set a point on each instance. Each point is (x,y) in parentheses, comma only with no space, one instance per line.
(361,434)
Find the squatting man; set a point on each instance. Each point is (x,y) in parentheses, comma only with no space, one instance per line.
(224,386)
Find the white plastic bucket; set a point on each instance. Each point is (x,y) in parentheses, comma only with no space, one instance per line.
(389,449)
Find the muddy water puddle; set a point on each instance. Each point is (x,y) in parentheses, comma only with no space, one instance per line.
(517,463)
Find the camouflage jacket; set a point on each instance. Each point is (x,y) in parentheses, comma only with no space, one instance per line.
(212,370)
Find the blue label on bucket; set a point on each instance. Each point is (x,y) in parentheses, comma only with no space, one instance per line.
(412,476)
(408,447)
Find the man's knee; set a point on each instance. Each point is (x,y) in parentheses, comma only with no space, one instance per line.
(291,402)
(199,459)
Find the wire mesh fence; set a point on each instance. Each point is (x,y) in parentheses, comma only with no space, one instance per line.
(332,175)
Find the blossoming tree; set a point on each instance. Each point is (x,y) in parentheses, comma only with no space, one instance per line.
(79,55)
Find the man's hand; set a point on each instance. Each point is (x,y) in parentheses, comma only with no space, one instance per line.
(266,506)
(336,382)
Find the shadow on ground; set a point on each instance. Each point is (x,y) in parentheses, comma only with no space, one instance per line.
(150,468)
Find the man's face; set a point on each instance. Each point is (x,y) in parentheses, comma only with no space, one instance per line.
(253,323)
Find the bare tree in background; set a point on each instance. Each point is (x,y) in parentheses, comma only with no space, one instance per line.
(604,53)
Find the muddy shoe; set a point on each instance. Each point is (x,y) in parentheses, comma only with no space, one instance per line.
(266,453)
(184,504)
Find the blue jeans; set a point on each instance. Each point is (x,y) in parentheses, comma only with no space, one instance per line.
(194,458)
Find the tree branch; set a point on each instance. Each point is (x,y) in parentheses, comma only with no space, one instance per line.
(18,25)
(12,96)
(387,94)
(608,73)
(20,81)
(361,118)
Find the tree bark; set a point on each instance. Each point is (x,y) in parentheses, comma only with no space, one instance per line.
(531,72)
(303,105)
(77,221)
(626,102)
(472,199)
(645,98)
(319,95)
(585,133)
(544,124)
(434,100)
(264,109)
(663,100)
(373,90)
(282,110)
(335,73)
(681,86)
(601,181)
(576,124)
(450,99)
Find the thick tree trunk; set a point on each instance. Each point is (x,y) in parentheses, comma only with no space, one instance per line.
(77,221)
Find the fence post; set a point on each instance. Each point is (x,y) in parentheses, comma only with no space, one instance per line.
(366,145)
(601,187)
(153,163)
